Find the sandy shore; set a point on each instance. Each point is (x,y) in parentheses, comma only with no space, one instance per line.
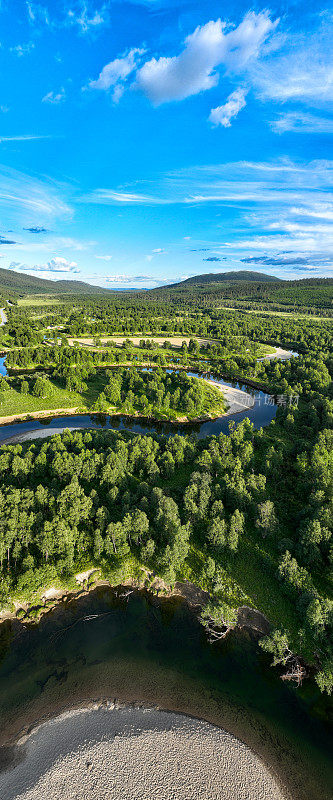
(108,753)
(237,399)
(280,353)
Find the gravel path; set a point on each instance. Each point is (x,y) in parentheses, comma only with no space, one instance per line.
(107,753)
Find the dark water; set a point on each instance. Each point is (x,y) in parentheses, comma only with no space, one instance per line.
(156,652)
(261,413)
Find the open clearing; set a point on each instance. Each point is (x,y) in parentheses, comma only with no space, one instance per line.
(174,341)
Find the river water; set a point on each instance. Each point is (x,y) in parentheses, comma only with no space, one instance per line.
(260,413)
(155,652)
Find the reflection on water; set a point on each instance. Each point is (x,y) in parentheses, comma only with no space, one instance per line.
(155,652)
(261,413)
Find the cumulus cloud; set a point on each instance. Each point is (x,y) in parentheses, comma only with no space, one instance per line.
(55,97)
(213,258)
(210,46)
(114,74)
(222,115)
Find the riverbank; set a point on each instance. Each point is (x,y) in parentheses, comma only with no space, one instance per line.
(105,751)
(89,581)
(237,400)
(150,651)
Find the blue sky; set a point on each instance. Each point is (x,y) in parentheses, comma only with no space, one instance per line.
(143,142)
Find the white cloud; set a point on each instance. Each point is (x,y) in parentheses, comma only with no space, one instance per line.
(28,200)
(277,182)
(208,47)
(111,197)
(222,115)
(55,97)
(22,49)
(104,258)
(87,18)
(81,14)
(300,70)
(37,14)
(301,122)
(27,137)
(55,265)
(114,74)
(132,279)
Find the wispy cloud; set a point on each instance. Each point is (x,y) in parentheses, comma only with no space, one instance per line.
(55,265)
(27,199)
(134,280)
(55,97)
(301,122)
(222,115)
(36,229)
(104,257)
(113,197)
(281,181)
(22,49)
(301,69)
(37,13)
(4,240)
(87,17)
(26,137)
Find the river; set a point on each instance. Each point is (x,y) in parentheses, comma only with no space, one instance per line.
(261,410)
(155,652)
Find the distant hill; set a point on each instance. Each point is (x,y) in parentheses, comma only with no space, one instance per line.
(221,277)
(19,283)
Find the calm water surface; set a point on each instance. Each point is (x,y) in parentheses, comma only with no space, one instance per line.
(261,413)
(155,652)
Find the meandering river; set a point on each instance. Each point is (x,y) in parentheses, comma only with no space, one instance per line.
(153,651)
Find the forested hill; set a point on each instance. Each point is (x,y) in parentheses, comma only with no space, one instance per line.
(221,277)
(19,283)
(250,293)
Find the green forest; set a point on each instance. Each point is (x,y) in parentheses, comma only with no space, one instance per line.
(247,515)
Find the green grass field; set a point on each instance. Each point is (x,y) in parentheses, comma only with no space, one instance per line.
(16,403)
(39,300)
